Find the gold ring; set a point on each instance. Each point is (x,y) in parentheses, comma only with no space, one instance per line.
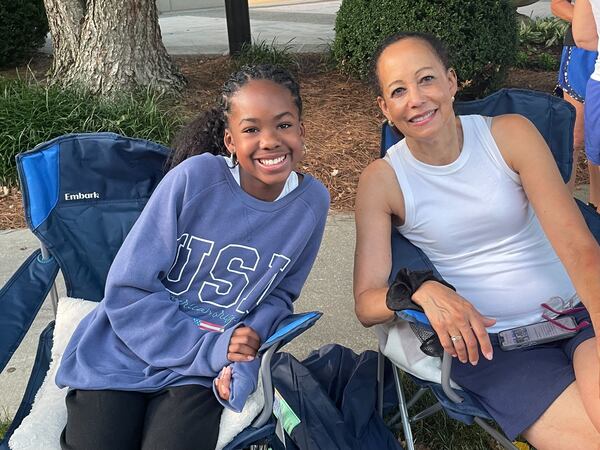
(456,338)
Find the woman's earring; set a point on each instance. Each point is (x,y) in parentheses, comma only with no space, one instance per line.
(453,98)
(390,123)
(234,158)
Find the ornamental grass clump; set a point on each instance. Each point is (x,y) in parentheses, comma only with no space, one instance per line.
(32,113)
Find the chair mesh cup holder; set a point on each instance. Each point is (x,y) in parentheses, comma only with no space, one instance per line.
(430,342)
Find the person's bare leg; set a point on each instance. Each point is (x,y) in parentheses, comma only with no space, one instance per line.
(594,172)
(578,138)
(587,373)
(567,422)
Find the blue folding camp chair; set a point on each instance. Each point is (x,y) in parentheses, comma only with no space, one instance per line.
(555,119)
(82,194)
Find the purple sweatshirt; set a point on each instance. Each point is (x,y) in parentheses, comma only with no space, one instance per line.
(203,258)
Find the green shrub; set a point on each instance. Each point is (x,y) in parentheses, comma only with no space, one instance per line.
(31,113)
(262,52)
(23,29)
(481,35)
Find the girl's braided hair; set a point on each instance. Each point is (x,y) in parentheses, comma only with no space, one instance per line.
(205,133)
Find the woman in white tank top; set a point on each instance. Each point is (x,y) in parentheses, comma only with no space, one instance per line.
(484,200)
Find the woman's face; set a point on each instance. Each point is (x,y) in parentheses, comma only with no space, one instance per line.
(416,89)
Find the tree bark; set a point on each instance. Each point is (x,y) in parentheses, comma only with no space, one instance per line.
(109,46)
(64,20)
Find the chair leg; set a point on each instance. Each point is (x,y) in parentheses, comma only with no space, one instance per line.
(428,412)
(53,291)
(408,437)
(415,398)
(502,440)
(380,382)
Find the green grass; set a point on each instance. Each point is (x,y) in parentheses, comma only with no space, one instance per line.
(31,113)
(262,52)
(4,423)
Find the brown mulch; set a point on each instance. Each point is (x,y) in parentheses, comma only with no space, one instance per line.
(11,211)
(340,114)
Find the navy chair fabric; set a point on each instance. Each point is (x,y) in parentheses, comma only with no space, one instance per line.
(20,300)
(82,193)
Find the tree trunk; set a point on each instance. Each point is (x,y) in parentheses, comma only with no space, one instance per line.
(108,46)
(64,20)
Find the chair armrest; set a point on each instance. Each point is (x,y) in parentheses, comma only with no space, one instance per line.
(289,328)
(20,300)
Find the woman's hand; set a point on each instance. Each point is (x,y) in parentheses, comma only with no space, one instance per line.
(223,383)
(458,324)
(243,345)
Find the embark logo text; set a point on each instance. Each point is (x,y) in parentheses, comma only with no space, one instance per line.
(82,196)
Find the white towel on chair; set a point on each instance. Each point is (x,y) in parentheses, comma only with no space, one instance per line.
(42,427)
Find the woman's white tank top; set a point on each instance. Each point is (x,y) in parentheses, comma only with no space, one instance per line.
(474,221)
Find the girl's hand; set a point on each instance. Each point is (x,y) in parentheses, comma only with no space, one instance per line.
(243,345)
(460,327)
(223,383)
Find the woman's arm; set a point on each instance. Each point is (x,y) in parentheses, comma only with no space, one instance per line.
(562,9)
(555,208)
(373,255)
(584,26)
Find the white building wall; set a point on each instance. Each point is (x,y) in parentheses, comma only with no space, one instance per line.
(165,6)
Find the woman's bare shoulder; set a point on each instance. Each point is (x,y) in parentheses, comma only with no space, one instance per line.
(378,187)
(505,123)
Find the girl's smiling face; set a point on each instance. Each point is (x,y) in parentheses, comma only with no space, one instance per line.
(266,134)
(417,90)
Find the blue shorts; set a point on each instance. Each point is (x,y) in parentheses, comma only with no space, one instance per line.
(576,66)
(517,386)
(592,122)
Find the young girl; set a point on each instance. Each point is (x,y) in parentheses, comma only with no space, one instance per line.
(212,265)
